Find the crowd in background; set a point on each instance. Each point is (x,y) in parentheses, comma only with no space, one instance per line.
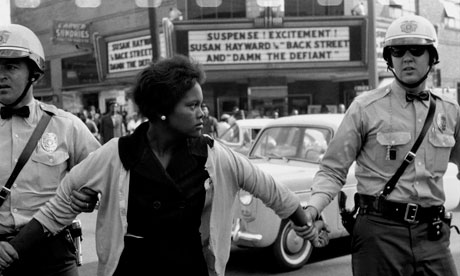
(114,123)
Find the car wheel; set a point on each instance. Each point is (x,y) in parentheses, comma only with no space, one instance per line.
(290,251)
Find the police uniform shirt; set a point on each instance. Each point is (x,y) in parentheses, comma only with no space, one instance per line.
(382,120)
(65,142)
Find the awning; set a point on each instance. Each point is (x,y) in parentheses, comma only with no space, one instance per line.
(398,3)
(452,10)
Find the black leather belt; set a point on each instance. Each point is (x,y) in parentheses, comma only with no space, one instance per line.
(403,212)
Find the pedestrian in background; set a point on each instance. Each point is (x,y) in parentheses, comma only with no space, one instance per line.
(401,227)
(64,143)
(166,190)
(134,122)
(209,122)
(111,124)
(237,114)
(223,124)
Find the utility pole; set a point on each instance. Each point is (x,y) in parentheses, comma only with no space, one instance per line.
(372,53)
(154,33)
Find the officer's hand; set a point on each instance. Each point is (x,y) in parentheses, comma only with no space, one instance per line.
(7,255)
(311,214)
(84,200)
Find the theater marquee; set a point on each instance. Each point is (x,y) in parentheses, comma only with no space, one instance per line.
(270,45)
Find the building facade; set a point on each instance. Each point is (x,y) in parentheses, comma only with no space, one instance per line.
(261,56)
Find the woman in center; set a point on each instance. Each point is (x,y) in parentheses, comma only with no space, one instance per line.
(166,191)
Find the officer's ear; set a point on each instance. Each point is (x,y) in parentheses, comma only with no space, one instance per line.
(35,77)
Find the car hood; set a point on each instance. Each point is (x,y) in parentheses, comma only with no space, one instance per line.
(295,175)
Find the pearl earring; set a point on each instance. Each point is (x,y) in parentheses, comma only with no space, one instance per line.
(163,117)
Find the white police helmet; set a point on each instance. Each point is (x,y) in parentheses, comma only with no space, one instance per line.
(17,41)
(411,30)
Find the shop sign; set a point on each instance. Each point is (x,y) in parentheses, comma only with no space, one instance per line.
(129,54)
(320,44)
(71,32)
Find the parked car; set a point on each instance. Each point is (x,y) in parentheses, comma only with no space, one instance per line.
(290,148)
(242,133)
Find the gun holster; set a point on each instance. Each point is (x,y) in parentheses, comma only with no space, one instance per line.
(75,237)
(348,216)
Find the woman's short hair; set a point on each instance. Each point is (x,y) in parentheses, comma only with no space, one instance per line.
(161,85)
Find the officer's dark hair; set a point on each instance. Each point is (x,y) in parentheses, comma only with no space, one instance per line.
(160,86)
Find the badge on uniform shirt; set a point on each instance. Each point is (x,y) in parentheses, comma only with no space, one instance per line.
(49,142)
(441,121)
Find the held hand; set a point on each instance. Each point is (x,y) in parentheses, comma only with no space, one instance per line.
(84,200)
(7,255)
(323,238)
(304,225)
(306,232)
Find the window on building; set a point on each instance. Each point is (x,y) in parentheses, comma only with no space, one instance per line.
(436,77)
(27,3)
(398,8)
(79,70)
(45,81)
(227,9)
(297,8)
(88,3)
(451,15)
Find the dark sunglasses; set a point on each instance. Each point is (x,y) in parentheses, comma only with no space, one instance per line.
(415,50)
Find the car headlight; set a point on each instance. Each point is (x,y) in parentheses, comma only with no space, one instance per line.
(245,197)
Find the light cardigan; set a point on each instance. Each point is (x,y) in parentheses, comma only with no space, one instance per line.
(103,172)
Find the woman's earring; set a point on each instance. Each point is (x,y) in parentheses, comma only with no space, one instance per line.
(163,117)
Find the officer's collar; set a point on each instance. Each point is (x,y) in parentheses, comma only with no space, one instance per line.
(400,94)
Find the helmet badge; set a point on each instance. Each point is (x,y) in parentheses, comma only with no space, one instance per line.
(408,26)
(4,35)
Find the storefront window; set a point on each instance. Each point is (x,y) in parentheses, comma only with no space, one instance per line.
(228,9)
(79,70)
(310,8)
(398,8)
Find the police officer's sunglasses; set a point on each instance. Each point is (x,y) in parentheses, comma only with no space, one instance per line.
(415,50)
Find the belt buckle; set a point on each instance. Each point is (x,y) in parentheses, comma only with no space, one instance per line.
(411,212)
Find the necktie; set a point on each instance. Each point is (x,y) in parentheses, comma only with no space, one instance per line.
(8,112)
(421,96)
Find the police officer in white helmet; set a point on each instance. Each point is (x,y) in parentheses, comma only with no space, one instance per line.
(401,227)
(64,142)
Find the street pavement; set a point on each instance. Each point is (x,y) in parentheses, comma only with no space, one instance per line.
(254,262)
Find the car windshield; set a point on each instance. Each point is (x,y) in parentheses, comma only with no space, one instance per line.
(231,135)
(300,143)
(237,134)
